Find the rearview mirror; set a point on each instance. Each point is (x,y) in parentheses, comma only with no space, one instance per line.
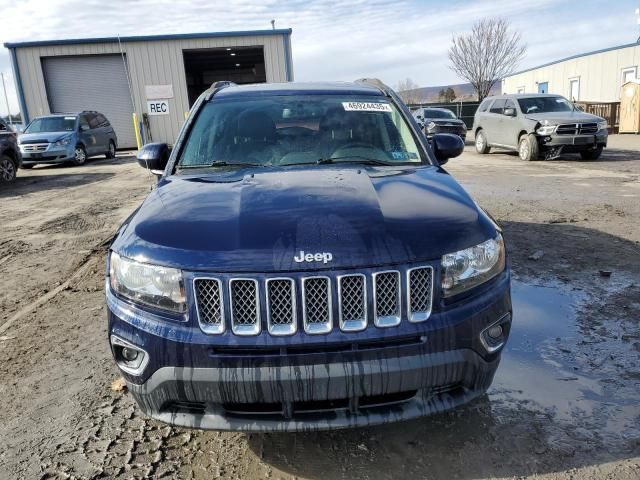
(446,146)
(154,157)
(510,112)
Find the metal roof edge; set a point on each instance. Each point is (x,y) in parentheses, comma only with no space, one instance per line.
(579,55)
(148,38)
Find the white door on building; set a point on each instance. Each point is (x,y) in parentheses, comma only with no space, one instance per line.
(574,89)
(91,82)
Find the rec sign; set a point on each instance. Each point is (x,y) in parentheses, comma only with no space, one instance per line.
(158,107)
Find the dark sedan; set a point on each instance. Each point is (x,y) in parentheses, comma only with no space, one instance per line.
(440,120)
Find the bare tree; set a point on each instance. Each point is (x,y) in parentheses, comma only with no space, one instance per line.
(485,56)
(408,91)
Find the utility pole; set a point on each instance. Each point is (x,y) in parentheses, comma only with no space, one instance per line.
(6,100)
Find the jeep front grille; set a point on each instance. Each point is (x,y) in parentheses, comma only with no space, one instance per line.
(245,306)
(309,303)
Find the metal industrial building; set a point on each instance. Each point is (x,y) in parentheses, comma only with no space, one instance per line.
(156,77)
(588,77)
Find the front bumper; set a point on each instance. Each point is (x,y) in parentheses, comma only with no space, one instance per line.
(318,396)
(461,131)
(575,143)
(51,155)
(363,378)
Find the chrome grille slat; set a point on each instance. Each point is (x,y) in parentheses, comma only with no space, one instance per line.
(209,304)
(35,147)
(386,305)
(317,308)
(352,302)
(281,306)
(419,293)
(244,306)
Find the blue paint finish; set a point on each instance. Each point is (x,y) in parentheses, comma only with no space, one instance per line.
(257,219)
(20,91)
(573,57)
(148,38)
(250,222)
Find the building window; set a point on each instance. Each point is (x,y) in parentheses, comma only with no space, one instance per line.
(574,89)
(543,87)
(520,90)
(629,74)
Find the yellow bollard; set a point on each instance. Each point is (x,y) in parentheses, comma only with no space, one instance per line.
(136,129)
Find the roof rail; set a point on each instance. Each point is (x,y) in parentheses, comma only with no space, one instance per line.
(217,86)
(377,83)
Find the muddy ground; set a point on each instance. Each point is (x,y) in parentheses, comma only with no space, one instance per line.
(564,403)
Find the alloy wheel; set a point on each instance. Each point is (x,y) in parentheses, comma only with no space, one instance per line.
(524,150)
(7,170)
(80,156)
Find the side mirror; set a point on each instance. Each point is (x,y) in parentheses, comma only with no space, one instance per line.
(510,112)
(154,156)
(446,146)
(419,117)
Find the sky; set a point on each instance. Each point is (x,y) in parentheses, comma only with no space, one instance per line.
(335,40)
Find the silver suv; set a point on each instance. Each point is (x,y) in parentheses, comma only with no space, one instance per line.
(538,126)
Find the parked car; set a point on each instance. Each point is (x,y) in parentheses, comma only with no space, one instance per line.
(10,158)
(67,138)
(440,120)
(538,126)
(304,262)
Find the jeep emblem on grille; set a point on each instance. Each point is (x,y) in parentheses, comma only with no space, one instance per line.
(323,257)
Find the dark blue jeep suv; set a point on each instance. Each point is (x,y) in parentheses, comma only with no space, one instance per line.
(305,263)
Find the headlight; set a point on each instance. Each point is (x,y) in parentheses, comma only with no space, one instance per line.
(62,142)
(470,267)
(431,126)
(546,129)
(159,287)
(602,125)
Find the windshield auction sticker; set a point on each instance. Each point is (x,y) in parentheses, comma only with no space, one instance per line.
(366,107)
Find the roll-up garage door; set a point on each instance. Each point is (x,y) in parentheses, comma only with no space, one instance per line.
(92,82)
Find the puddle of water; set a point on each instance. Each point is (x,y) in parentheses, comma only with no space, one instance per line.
(535,370)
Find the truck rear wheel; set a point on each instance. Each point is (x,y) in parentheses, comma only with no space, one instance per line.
(482,147)
(592,154)
(528,148)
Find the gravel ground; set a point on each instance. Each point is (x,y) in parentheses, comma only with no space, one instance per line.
(564,404)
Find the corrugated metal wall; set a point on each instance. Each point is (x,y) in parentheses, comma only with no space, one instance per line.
(155,62)
(600,75)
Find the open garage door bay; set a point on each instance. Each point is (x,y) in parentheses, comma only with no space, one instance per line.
(93,82)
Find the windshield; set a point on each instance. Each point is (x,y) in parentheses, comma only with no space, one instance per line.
(287,130)
(439,114)
(545,104)
(52,124)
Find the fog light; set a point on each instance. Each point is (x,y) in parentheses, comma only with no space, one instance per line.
(130,354)
(495,331)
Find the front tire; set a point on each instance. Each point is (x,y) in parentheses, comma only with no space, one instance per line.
(592,154)
(111,153)
(482,146)
(79,155)
(7,169)
(528,148)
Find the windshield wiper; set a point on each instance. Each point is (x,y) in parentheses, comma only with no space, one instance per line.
(352,159)
(221,163)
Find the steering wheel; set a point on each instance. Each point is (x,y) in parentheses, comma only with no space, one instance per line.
(351,145)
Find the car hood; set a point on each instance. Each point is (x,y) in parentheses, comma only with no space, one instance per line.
(564,117)
(44,137)
(258,220)
(445,121)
